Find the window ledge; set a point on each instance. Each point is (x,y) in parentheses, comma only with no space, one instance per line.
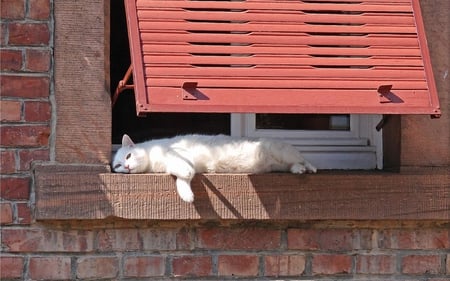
(91,192)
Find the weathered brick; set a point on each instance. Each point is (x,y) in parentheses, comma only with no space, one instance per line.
(284,265)
(238,265)
(28,156)
(11,110)
(39,9)
(331,264)
(144,266)
(6,213)
(24,86)
(37,111)
(242,238)
(197,266)
(11,267)
(12,9)
(10,60)
(14,188)
(27,34)
(37,60)
(375,264)
(323,239)
(97,267)
(45,240)
(24,136)
(137,239)
(421,264)
(7,161)
(50,268)
(23,213)
(414,239)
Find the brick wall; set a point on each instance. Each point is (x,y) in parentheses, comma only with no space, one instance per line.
(118,249)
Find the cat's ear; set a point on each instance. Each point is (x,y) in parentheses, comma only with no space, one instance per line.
(126,141)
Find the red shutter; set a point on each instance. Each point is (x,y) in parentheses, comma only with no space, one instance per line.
(289,56)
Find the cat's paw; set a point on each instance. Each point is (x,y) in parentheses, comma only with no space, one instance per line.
(184,190)
(298,169)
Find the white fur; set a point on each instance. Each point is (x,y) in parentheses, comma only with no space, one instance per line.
(184,156)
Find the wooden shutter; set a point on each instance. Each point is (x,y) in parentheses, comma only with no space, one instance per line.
(288,56)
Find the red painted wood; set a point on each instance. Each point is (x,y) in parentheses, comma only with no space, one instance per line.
(327,56)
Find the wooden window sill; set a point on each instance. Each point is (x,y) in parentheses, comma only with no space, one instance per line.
(91,192)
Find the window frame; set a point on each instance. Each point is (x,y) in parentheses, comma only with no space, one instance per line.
(361,147)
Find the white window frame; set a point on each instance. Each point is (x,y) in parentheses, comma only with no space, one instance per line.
(358,148)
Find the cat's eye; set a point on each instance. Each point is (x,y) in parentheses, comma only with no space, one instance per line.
(128,156)
(117,166)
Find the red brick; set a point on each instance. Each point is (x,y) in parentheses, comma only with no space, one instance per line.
(11,267)
(375,264)
(245,238)
(50,268)
(28,156)
(45,240)
(323,239)
(192,266)
(97,267)
(26,34)
(10,60)
(331,264)
(12,9)
(24,86)
(39,9)
(6,213)
(415,239)
(238,265)
(144,266)
(137,239)
(23,213)
(11,110)
(37,60)
(284,265)
(37,111)
(7,161)
(15,188)
(24,136)
(418,264)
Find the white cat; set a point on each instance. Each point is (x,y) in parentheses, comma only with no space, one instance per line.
(183,156)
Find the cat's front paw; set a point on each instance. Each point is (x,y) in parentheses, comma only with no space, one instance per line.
(184,190)
(298,169)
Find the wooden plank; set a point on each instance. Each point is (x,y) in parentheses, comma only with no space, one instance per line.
(277,72)
(282,17)
(291,49)
(280,83)
(158,26)
(335,40)
(275,6)
(85,194)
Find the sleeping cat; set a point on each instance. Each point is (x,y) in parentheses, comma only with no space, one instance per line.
(183,156)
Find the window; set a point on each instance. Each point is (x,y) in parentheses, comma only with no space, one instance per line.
(77,184)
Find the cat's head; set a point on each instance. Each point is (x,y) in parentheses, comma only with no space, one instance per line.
(130,159)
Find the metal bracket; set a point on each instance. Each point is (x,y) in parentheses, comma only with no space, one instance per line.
(383,93)
(188,91)
(122,86)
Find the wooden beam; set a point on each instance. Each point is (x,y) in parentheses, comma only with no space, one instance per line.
(91,192)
